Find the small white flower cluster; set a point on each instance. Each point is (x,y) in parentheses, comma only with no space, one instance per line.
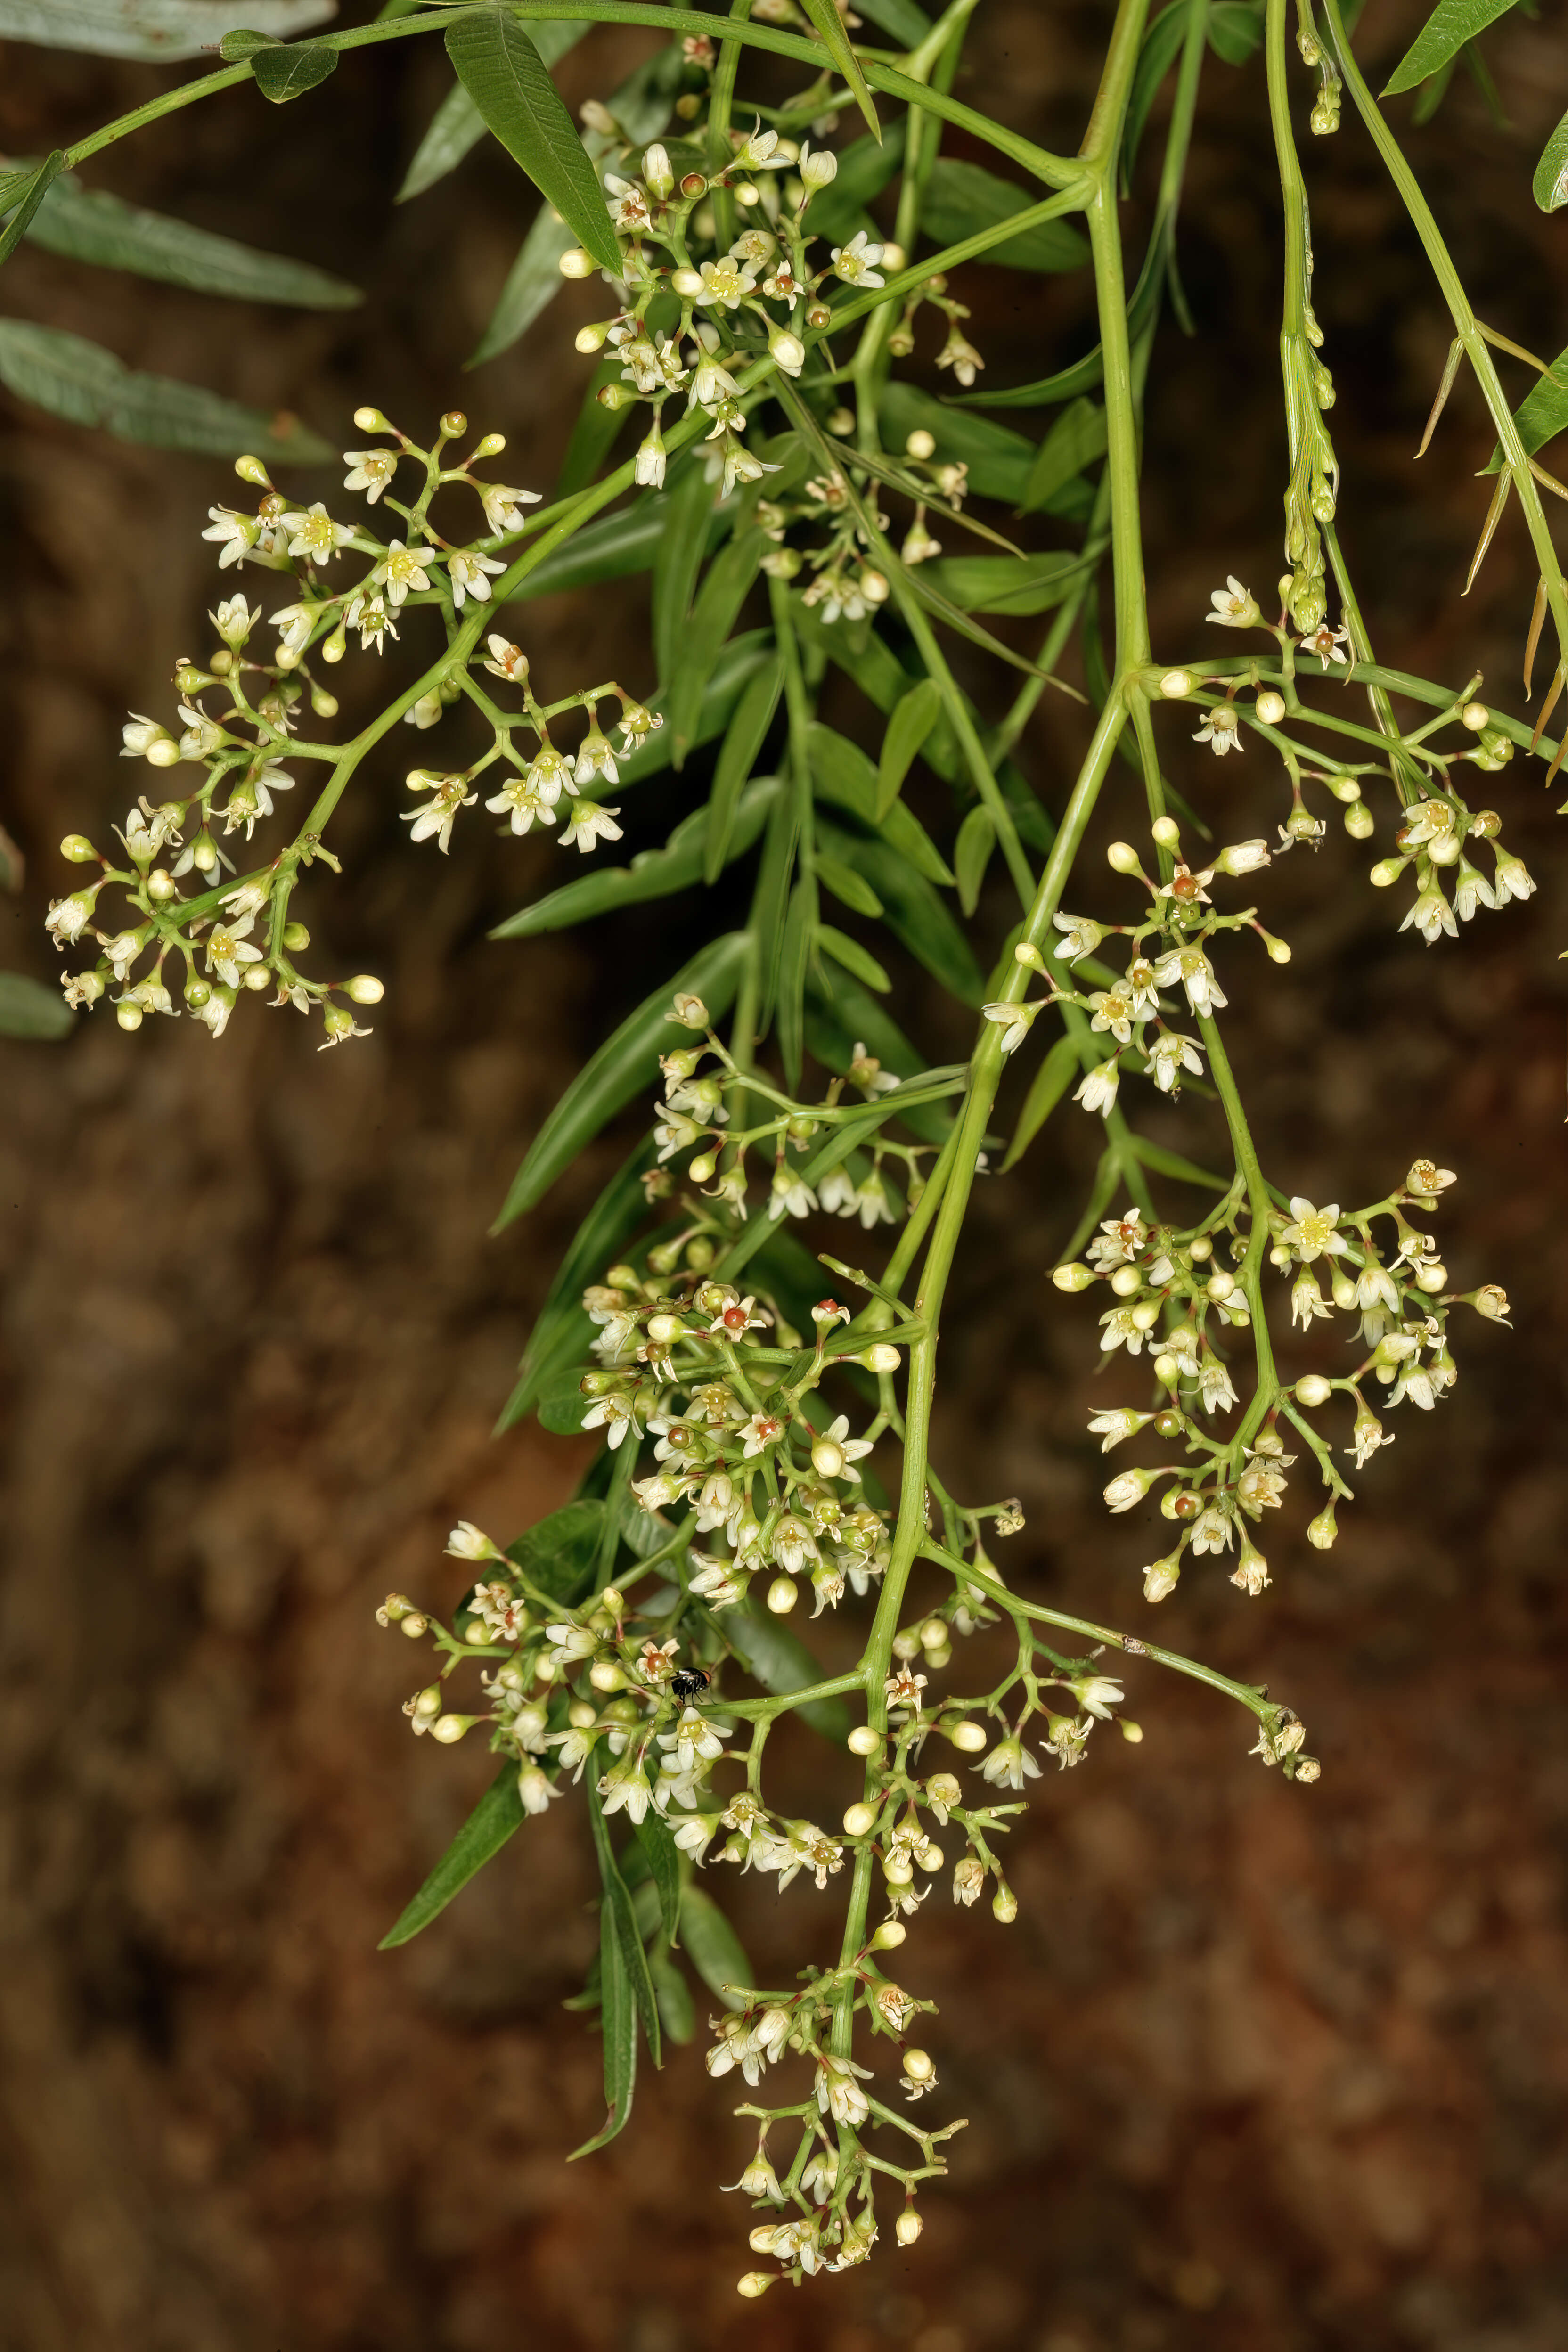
(1168,950)
(1171,1292)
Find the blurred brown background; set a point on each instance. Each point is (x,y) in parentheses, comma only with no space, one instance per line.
(1258,2066)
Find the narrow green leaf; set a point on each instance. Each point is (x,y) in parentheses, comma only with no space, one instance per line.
(846,885)
(843,774)
(971,855)
(284,71)
(1163,40)
(653,874)
(962,199)
(1051,1081)
(618,2023)
(829,27)
(662,1855)
(714,1949)
(914,911)
(906,23)
(733,671)
(29,1009)
(997,583)
(781,1662)
(83,225)
(456,127)
(713,616)
(677,2014)
(510,83)
(998,459)
(1076,440)
(1236,30)
(1543,412)
(532,283)
(558,1553)
(483,1834)
(1451,24)
(611,547)
(80,381)
(794,952)
(853,957)
(624,1063)
(1549,185)
(26,189)
(1171,1163)
(615,1216)
(618,1903)
(770,898)
(910,722)
(159,31)
(738,754)
(688,518)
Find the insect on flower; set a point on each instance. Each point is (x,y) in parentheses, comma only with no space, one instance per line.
(686,1681)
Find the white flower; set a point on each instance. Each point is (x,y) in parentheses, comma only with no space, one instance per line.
(227,953)
(1082,936)
(314,533)
(696,1834)
(503,506)
(618,1416)
(507,660)
(590,823)
(1168,1056)
(1327,644)
(1193,969)
(725,285)
(237,534)
(789,1196)
(1513,879)
(1098,1693)
(625,1785)
(440,811)
(596,758)
(1008,1764)
(1120,1422)
(68,917)
(370,470)
(470,1543)
(520,799)
(855,262)
(650,460)
(214,1014)
(1015,1021)
(369,616)
(1314,1230)
(471,576)
(122,951)
(402,568)
(1096,1088)
(535,1789)
(1221,729)
(838,2092)
(1127,1490)
(763,1430)
(1235,607)
(1215,1384)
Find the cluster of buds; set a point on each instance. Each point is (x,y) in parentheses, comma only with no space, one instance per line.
(734,249)
(1168,950)
(1171,1300)
(238,714)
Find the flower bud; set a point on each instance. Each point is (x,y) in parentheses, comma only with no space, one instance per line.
(1321,1531)
(782,1594)
(1387,870)
(827,1458)
(575,263)
(1475,716)
(897,1872)
(968,1738)
(1359,823)
(888,1936)
(879,1357)
(1308,1769)
(1072,1276)
(921,445)
(1270,707)
(605,1675)
(1314,1390)
(1131,1732)
(77,848)
(1176,684)
(919,2065)
(687,283)
(819,167)
(128,1016)
(1123,858)
(860,1821)
(251,470)
(369,420)
(756,2283)
(1431,1276)
(787,350)
(657,177)
(1005,1906)
(1160,1576)
(1166,831)
(864,1740)
(908,2226)
(449,1728)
